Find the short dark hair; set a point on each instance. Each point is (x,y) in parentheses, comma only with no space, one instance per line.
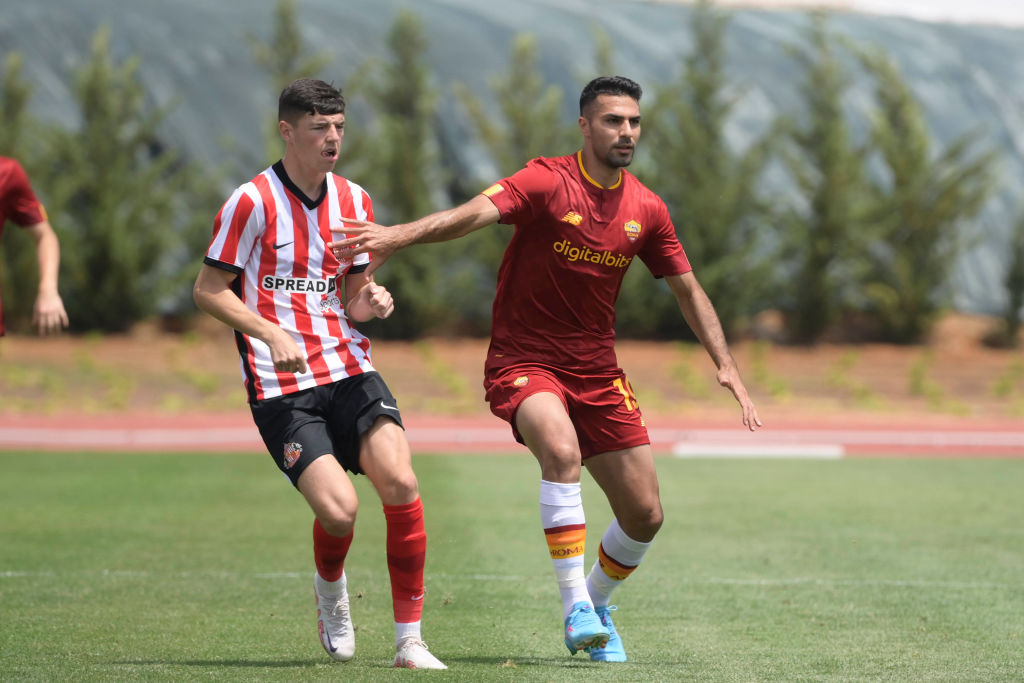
(609,85)
(309,96)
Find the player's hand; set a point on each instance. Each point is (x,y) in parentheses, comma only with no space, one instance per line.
(379,299)
(285,353)
(48,314)
(360,237)
(729,377)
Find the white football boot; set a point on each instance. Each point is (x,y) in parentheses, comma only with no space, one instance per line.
(413,654)
(334,622)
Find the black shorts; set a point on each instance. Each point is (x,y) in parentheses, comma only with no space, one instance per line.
(298,428)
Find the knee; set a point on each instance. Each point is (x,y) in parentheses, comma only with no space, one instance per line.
(338,519)
(654,519)
(400,487)
(560,461)
(643,523)
(405,485)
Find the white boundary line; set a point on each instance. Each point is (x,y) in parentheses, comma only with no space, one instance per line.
(848,437)
(688,449)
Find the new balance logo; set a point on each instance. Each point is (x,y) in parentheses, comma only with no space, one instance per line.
(572,218)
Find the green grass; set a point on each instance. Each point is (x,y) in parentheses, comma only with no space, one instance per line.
(198,567)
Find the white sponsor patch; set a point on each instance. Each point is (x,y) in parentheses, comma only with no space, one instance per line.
(298,284)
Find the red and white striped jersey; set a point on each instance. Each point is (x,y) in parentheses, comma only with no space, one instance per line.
(274,237)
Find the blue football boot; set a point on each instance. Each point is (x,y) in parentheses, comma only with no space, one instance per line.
(583,629)
(613,651)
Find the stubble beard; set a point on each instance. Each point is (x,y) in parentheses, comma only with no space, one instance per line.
(616,160)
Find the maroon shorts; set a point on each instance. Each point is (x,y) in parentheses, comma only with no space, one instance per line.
(602,407)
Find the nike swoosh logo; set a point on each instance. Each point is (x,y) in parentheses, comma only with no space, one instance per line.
(278,246)
(387,407)
(330,644)
(416,597)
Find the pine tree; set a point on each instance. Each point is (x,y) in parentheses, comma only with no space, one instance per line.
(14,96)
(130,211)
(528,124)
(531,112)
(823,241)
(1014,281)
(709,189)
(395,159)
(284,58)
(922,205)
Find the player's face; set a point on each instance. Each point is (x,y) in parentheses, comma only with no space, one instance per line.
(315,140)
(611,127)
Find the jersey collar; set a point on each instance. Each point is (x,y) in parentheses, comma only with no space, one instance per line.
(579,160)
(294,189)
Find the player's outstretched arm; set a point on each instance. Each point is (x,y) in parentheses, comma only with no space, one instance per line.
(212,293)
(359,237)
(48,314)
(701,317)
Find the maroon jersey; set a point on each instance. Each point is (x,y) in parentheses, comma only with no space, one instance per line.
(17,202)
(563,268)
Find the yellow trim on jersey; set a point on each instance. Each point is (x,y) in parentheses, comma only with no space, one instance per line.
(493,190)
(579,159)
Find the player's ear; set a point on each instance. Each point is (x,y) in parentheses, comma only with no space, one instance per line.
(285,129)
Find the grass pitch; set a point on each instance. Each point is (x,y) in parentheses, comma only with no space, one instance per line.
(198,567)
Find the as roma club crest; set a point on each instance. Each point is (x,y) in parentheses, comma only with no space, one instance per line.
(632,230)
(292,453)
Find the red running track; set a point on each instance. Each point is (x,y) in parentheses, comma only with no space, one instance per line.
(931,436)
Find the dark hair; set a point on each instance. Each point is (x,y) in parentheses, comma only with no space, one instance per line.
(309,96)
(609,85)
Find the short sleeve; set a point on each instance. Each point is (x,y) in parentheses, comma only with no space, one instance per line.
(517,196)
(236,229)
(661,252)
(20,202)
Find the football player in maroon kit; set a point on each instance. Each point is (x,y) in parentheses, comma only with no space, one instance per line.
(551,370)
(321,407)
(19,204)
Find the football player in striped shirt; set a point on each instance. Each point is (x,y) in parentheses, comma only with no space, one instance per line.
(320,406)
(551,370)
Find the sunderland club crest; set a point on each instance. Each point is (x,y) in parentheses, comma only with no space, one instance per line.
(292,453)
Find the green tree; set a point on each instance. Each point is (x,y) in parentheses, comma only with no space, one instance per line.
(1009,335)
(130,210)
(531,112)
(285,59)
(922,205)
(396,160)
(822,240)
(710,191)
(528,124)
(604,53)
(14,96)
